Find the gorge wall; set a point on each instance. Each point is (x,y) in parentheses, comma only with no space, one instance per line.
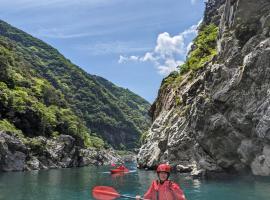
(216,119)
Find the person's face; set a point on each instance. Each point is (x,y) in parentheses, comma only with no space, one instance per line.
(163,176)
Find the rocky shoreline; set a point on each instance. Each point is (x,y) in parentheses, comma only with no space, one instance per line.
(44,153)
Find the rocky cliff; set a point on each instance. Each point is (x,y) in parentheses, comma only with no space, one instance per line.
(45,153)
(215,118)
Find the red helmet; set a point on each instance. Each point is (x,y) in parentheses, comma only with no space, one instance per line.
(164,168)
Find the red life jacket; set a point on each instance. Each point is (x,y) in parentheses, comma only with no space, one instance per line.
(121,167)
(166,191)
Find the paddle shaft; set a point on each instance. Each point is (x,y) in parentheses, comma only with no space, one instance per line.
(129,197)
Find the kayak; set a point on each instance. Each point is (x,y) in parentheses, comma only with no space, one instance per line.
(114,171)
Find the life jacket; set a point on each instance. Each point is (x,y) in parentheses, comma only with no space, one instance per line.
(166,191)
(121,167)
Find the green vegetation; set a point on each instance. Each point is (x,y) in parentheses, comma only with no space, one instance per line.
(204,49)
(143,137)
(6,126)
(169,80)
(178,101)
(44,94)
(36,144)
(32,110)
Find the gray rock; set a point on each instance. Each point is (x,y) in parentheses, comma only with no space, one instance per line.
(261,164)
(222,124)
(43,153)
(12,153)
(33,164)
(94,157)
(184,169)
(14,161)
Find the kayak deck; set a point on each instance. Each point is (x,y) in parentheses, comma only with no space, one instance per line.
(114,171)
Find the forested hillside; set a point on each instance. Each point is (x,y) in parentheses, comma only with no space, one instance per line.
(43,94)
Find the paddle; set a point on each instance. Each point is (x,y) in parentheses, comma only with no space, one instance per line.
(107,193)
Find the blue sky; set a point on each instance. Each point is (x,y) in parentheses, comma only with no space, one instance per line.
(132,43)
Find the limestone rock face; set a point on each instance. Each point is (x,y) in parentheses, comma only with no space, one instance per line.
(44,153)
(223,122)
(12,153)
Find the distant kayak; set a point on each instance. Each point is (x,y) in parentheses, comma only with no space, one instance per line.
(120,169)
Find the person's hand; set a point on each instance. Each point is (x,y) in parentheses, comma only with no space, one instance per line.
(138,197)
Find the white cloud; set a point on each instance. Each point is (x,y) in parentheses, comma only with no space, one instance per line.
(168,46)
(116,47)
(189,47)
(148,57)
(59,33)
(123,59)
(169,52)
(193,1)
(169,66)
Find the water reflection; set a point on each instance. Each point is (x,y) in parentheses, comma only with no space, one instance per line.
(76,184)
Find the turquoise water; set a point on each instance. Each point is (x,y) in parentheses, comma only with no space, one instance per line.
(76,184)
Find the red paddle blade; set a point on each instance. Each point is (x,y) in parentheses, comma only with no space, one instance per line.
(105,193)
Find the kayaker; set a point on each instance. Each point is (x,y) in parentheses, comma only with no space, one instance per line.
(163,188)
(122,167)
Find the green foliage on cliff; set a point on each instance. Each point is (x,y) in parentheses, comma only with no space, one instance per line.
(204,49)
(6,126)
(172,80)
(143,137)
(44,94)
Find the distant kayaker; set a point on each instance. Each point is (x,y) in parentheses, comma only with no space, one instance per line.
(163,189)
(122,167)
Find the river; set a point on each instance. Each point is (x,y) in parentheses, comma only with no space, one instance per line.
(77,183)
